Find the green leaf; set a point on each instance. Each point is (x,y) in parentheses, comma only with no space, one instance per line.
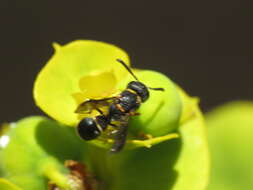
(230,129)
(36,151)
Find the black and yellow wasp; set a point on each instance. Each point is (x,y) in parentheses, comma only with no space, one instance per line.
(119,110)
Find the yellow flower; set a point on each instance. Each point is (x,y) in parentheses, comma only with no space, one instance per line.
(85,69)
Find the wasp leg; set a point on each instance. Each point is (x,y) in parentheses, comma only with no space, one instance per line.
(113,132)
(120,139)
(144,136)
(133,113)
(100,111)
(113,125)
(120,108)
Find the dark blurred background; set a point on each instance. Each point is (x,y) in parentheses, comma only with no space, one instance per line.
(204,46)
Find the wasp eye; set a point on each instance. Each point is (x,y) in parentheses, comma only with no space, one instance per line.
(87,129)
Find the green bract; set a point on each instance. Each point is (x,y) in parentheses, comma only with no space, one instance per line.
(230,129)
(36,147)
(160,114)
(42,146)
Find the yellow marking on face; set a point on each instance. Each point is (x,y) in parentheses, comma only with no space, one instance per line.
(138,97)
(138,101)
(132,91)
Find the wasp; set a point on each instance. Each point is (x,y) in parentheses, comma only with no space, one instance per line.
(119,110)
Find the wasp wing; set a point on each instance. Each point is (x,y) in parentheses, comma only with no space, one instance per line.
(94,104)
(121,135)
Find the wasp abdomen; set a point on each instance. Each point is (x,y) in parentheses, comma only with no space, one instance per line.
(88,129)
(102,121)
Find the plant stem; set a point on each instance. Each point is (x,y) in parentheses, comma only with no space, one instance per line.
(53,173)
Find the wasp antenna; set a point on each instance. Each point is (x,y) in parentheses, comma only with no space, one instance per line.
(158,89)
(127,68)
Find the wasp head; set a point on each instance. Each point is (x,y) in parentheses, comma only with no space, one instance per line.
(140,89)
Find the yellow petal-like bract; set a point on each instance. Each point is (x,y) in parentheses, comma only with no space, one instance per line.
(70,68)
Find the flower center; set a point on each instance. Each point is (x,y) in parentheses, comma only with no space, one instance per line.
(97,85)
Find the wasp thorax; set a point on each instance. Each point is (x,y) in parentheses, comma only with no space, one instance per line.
(140,89)
(88,129)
